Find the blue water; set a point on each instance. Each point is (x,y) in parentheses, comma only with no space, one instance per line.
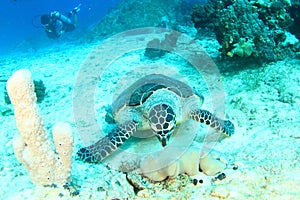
(19,18)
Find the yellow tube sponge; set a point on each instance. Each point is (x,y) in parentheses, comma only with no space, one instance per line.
(32,147)
(212,163)
(177,160)
(170,163)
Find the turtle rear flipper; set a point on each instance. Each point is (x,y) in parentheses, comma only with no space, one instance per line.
(224,126)
(107,145)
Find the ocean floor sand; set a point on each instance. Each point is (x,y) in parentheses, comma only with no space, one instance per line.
(264,103)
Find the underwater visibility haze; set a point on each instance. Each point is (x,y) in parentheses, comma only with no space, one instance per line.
(21,18)
(150,99)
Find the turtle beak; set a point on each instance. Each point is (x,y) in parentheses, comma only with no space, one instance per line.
(164,139)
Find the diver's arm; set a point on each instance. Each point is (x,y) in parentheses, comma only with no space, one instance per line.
(75,19)
(65,19)
(73,14)
(61,17)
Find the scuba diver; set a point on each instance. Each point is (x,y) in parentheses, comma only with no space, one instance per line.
(55,23)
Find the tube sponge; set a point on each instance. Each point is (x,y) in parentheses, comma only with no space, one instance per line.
(212,163)
(171,163)
(32,147)
(177,160)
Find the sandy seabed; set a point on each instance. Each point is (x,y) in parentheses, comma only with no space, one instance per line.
(264,104)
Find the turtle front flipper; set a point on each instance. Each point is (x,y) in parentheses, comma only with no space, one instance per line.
(107,145)
(205,117)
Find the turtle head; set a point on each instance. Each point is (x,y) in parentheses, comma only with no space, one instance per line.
(162,122)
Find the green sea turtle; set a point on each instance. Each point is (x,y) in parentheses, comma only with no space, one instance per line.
(154,102)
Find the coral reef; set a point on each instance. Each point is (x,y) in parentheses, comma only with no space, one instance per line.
(32,147)
(157,48)
(256,29)
(295,14)
(205,15)
(154,49)
(131,14)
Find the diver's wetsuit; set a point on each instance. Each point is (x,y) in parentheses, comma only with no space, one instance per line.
(58,24)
